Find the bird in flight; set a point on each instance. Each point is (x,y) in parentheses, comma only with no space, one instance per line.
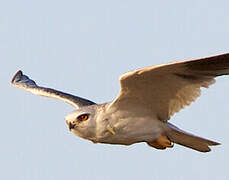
(146,101)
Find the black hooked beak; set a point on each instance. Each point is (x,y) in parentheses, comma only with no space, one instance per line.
(71,126)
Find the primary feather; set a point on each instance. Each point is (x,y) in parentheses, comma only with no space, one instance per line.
(166,89)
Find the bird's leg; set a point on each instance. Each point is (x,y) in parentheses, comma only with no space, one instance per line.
(162,142)
(110,129)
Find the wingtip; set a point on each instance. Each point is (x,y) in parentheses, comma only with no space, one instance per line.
(216,144)
(17,76)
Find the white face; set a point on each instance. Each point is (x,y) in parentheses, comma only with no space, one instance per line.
(81,122)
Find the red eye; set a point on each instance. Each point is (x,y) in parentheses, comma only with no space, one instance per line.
(83,117)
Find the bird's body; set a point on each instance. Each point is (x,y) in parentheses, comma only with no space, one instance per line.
(126,126)
(147,99)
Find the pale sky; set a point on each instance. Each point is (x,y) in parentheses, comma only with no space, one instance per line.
(82,47)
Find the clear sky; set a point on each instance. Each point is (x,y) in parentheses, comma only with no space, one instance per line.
(82,47)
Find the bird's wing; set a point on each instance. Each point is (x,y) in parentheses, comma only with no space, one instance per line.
(165,89)
(24,82)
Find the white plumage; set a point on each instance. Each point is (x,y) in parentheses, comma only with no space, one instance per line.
(147,99)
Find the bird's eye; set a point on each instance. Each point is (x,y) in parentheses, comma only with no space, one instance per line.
(83,117)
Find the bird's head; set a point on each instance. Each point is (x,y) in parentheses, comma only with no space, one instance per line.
(82,122)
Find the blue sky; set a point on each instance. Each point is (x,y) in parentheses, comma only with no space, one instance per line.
(82,47)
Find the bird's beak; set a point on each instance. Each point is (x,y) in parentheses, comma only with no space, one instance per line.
(70,125)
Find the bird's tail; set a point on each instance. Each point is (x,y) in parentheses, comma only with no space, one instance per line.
(183,138)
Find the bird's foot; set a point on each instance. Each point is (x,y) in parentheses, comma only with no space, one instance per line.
(110,129)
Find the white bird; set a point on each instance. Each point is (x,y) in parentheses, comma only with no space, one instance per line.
(147,99)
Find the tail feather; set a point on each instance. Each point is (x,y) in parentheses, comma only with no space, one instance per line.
(183,138)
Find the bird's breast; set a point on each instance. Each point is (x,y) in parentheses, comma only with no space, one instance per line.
(123,128)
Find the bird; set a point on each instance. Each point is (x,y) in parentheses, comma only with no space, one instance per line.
(147,99)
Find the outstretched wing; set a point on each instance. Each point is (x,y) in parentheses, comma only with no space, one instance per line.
(165,89)
(24,82)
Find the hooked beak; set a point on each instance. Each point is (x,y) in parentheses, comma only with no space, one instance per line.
(70,125)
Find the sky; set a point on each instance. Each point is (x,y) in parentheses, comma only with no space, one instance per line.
(82,47)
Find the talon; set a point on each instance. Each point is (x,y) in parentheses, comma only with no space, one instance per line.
(110,129)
